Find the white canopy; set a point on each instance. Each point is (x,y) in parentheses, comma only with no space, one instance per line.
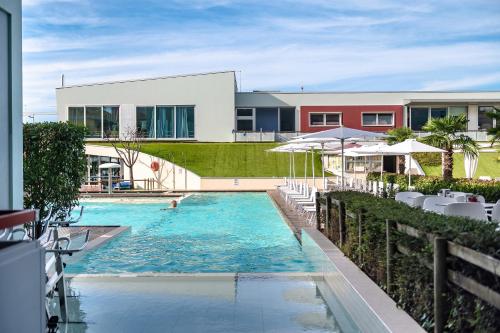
(110,166)
(337,134)
(410,146)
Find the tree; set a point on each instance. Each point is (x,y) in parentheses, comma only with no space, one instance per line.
(494,132)
(398,135)
(127,146)
(444,135)
(54,166)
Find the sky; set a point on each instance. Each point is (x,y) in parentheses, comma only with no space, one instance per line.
(320,45)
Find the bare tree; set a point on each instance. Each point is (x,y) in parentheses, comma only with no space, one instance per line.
(127,146)
(162,174)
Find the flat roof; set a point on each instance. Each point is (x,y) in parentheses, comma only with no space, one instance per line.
(145,79)
(370,92)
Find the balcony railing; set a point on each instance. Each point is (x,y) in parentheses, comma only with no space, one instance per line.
(264,136)
(476,135)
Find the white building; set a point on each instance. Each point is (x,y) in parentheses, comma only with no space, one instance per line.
(209,108)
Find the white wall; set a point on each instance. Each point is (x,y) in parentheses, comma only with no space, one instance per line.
(212,94)
(11,145)
(172,176)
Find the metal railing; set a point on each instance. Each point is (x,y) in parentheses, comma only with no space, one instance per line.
(263,136)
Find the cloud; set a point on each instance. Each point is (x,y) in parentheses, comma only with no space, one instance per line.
(322,44)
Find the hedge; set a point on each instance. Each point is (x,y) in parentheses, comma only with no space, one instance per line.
(431,185)
(412,287)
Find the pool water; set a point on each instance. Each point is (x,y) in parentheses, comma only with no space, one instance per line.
(212,232)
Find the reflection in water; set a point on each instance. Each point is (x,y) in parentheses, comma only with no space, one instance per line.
(198,303)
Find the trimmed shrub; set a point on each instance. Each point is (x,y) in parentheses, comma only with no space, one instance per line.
(431,185)
(412,287)
(54,165)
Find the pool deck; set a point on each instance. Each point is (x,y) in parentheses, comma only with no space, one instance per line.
(291,217)
(395,319)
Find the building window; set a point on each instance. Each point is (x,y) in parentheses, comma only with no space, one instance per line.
(483,121)
(93,121)
(145,121)
(184,122)
(164,121)
(324,119)
(111,121)
(287,119)
(420,115)
(76,115)
(377,119)
(244,119)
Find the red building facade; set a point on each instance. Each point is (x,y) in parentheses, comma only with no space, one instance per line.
(378,118)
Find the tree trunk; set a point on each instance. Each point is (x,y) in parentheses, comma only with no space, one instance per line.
(401,164)
(448,164)
(131,169)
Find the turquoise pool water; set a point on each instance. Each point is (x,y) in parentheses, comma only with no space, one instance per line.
(213,232)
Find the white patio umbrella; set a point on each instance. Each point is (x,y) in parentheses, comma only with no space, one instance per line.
(379,149)
(110,166)
(470,165)
(337,134)
(410,146)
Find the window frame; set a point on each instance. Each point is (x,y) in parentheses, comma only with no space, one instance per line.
(85,106)
(493,121)
(377,124)
(430,106)
(324,119)
(252,118)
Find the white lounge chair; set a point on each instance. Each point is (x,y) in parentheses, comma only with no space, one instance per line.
(437,204)
(495,214)
(463,198)
(473,210)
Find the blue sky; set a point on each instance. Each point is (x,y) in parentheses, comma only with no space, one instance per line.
(349,45)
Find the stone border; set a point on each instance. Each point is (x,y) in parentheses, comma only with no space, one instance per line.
(394,318)
(105,237)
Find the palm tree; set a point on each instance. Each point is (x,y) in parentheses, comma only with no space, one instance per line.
(398,135)
(444,135)
(494,132)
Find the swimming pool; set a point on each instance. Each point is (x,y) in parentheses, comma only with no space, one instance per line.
(210,232)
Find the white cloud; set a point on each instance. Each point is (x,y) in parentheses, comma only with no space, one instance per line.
(472,81)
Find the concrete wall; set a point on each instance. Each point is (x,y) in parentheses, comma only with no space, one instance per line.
(247,184)
(212,95)
(11,127)
(171,176)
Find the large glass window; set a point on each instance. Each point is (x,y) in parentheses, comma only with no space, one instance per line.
(145,121)
(244,125)
(164,121)
(76,115)
(457,110)
(93,121)
(483,121)
(287,119)
(419,117)
(111,120)
(184,122)
(439,112)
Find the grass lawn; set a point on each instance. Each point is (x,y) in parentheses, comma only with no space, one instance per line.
(489,165)
(230,159)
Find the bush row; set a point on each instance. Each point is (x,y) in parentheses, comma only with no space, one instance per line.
(431,185)
(412,289)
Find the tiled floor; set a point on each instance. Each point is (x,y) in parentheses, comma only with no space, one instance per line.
(201,303)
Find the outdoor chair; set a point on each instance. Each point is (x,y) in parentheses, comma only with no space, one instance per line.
(473,210)
(419,201)
(407,197)
(463,198)
(437,204)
